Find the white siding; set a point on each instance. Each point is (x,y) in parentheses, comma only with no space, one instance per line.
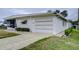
(69,25)
(29,23)
(37,24)
(58,25)
(50,24)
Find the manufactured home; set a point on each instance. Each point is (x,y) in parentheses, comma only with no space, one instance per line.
(39,22)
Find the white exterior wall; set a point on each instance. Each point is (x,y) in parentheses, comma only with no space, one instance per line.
(37,24)
(50,24)
(29,23)
(58,25)
(69,25)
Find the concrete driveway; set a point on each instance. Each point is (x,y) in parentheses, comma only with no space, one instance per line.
(20,41)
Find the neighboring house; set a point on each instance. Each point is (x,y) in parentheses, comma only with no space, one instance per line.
(75,24)
(39,22)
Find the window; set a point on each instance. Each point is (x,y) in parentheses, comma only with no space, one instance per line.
(64,23)
(24,22)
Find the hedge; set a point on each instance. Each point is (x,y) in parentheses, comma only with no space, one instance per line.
(68,31)
(23,29)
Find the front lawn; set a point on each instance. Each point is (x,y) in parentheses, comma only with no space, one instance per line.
(4,34)
(56,43)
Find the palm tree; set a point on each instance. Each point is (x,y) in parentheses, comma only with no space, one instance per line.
(64,13)
(57,11)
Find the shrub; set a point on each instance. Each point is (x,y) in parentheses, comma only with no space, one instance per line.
(23,29)
(68,31)
(3,27)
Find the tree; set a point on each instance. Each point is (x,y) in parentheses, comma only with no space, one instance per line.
(49,11)
(57,11)
(64,13)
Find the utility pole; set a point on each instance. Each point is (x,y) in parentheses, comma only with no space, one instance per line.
(78,14)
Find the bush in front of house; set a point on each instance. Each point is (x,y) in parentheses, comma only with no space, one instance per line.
(23,29)
(68,31)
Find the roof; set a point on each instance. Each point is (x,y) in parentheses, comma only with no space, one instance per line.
(36,14)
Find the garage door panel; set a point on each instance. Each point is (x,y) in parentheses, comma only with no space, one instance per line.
(42,27)
(43,23)
(44,31)
(44,20)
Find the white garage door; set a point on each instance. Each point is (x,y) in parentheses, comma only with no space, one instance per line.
(43,25)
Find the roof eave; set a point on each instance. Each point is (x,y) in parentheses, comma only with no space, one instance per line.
(45,14)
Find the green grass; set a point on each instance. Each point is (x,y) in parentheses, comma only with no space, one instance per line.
(4,34)
(56,43)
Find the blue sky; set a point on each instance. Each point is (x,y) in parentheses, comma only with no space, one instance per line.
(72,12)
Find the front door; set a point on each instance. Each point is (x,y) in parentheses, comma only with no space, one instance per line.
(11,23)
